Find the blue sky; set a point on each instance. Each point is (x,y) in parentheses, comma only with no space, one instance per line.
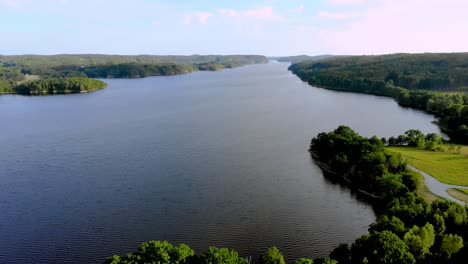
(269,27)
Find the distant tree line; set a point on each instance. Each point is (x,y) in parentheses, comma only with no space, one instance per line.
(122,66)
(408,229)
(14,70)
(123,70)
(428,71)
(301,58)
(49,61)
(411,79)
(416,138)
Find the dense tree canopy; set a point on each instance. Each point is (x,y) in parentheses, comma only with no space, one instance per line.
(59,85)
(428,71)
(272,256)
(156,252)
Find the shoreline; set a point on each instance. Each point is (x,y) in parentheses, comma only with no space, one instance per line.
(323,166)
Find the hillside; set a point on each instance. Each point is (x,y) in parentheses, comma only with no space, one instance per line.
(432,82)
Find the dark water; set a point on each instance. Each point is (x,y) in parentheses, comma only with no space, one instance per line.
(209,158)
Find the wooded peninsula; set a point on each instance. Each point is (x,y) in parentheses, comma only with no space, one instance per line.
(40,74)
(409,228)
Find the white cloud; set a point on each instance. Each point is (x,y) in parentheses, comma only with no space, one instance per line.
(228,12)
(403,26)
(203,17)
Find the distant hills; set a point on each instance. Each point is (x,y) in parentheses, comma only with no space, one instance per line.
(301,58)
(17,70)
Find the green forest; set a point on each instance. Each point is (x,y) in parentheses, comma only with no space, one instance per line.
(59,86)
(20,74)
(436,83)
(408,229)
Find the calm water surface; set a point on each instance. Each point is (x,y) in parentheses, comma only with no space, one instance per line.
(209,158)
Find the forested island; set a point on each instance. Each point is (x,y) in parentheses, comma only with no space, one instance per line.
(433,82)
(60,86)
(39,74)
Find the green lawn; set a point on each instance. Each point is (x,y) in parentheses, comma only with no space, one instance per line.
(447,167)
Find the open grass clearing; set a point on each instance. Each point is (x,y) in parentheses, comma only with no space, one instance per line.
(450,168)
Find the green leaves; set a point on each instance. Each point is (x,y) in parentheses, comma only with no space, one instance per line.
(272,256)
(59,85)
(381,247)
(420,240)
(161,252)
(216,255)
(451,244)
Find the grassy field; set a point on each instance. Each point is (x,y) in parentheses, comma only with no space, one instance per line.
(460,194)
(463,149)
(451,168)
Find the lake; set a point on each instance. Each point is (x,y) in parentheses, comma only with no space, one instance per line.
(207,158)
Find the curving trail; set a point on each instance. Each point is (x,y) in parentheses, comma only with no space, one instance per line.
(438,188)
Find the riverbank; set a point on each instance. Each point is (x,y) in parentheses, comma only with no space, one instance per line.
(341,177)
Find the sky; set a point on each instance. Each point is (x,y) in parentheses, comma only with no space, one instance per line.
(267,27)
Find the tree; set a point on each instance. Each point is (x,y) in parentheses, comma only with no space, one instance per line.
(272,256)
(401,140)
(381,247)
(304,261)
(390,186)
(156,252)
(419,240)
(451,244)
(439,224)
(393,224)
(221,256)
(384,141)
(341,253)
(415,138)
